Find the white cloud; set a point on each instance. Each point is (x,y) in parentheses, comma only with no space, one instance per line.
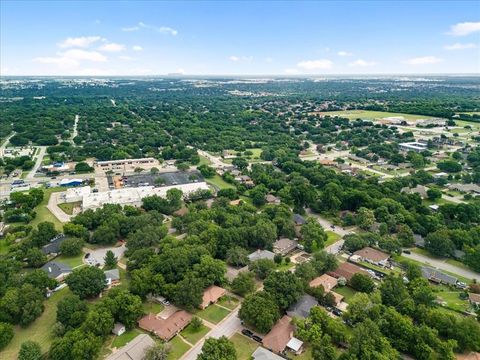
(83,41)
(465,28)
(167,30)
(130,29)
(362,63)
(137,48)
(234,58)
(344,53)
(79,54)
(112,47)
(315,64)
(292,71)
(459,46)
(126,58)
(240,58)
(61,61)
(268,60)
(424,60)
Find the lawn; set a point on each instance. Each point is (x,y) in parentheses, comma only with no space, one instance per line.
(452,298)
(213,314)
(39,330)
(346,291)
(152,307)
(43,214)
(229,302)
(284,266)
(3,246)
(68,207)
(177,347)
(194,335)
(331,238)
(371,115)
(72,261)
(204,161)
(244,346)
(306,355)
(125,338)
(219,183)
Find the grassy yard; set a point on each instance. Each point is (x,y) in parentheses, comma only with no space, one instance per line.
(194,335)
(204,161)
(371,115)
(332,238)
(72,261)
(229,302)
(452,298)
(43,214)
(244,346)
(213,314)
(39,330)
(219,183)
(125,338)
(306,355)
(3,246)
(152,307)
(177,347)
(68,207)
(346,291)
(284,266)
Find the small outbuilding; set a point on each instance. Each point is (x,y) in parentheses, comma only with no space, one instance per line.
(118,329)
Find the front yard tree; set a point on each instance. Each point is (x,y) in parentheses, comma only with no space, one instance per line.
(110,260)
(260,311)
(218,349)
(86,282)
(244,283)
(362,282)
(285,287)
(313,235)
(365,218)
(72,246)
(157,352)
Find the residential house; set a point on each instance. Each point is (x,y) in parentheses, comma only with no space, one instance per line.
(261,254)
(298,219)
(211,295)
(419,189)
(474,299)
(279,337)
(465,188)
(167,328)
(437,276)
(284,246)
(419,240)
(134,350)
(328,282)
(118,329)
(301,309)
(272,199)
(53,246)
(373,256)
(112,277)
(263,354)
(56,270)
(347,270)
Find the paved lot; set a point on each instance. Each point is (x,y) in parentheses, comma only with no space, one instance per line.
(169,178)
(98,255)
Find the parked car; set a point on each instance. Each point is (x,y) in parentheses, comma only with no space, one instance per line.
(407,251)
(257,338)
(247,332)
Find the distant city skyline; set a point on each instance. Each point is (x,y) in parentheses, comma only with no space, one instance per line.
(132,38)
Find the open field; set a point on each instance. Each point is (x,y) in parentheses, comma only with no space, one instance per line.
(452,299)
(219,183)
(371,115)
(39,330)
(3,246)
(204,161)
(194,335)
(213,314)
(43,214)
(244,346)
(177,347)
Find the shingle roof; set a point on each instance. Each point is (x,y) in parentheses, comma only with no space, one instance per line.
(347,270)
(261,254)
(372,254)
(281,333)
(55,269)
(435,275)
(301,308)
(298,219)
(113,274)
(54,245)
(134,350)
(328,282)
(264,354)
(165,328)
(211,295)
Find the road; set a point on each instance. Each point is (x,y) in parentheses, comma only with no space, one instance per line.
(442,265)
(38,162)
(55,199)
(227,327)
(327,225)
(75,131)
(216,162)
(5,143)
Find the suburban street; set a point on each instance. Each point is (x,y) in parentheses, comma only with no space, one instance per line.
(442,265)
(227,327)
(216,162)
(5,143)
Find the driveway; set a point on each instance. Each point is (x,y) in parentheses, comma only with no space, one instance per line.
(38,162)
(227,327)
(98,255)
(55,199)
(442,265)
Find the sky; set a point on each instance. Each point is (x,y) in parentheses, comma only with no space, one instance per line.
(238,37)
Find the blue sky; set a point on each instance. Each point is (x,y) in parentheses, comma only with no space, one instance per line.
(241,37)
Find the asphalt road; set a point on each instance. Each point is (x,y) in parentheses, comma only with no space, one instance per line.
(38,162)
(442,265)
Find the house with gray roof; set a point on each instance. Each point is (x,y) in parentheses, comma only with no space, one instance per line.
(56,270)
(301,309)
(298,219)
(437,276)
(112,276)
(134,350)
(53,247)
(261,254)
(263,354)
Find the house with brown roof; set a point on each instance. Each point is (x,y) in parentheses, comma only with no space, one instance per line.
(281,334)
(328,282)
(284,246)
(167,328)
(373,256)
(272,199)
(474,299)
(211,295)
(347,270)
(337,297)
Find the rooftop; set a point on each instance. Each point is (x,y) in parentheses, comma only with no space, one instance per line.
(328,282)
(372,254)
(281,333)
(211,295)
(301,309)
(134,350)
(167,328)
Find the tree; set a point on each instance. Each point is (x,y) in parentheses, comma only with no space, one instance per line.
(313,235)
(76,230)
(71,311)
(35,257)
(110,260)
(6,334)
(124,306)
(189,292)
(99,322)
(104,234)
(244,283)
(144,282)
(210,270)
(30,350)
(260,311)
(261,268)
(86,282)
(324,350)
(218,349)
(439,243)
(44,233)
(196,323)
(206,171)
(237,256)
(362,282)
(405,235)
(72,246)
(450,166)
(412,271)
(434,194)
(154,171)
(157,352)
(83,167)
(365,218)
(75,345)
(284,286)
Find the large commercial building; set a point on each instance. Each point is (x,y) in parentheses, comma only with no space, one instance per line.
(125,165)
(126,196)
(413,146)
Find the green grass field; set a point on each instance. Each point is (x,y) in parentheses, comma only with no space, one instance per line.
(72,261)
(346,291)
(68,207)
(152,307)
(194,335)
(219,183)
(452,298)
(229,302)
(371,115)
(177,347)
(244,346)
(3,246)
(39,330)
(332,238)
(125,338)
(204,161)
(213,314)
(43,214)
